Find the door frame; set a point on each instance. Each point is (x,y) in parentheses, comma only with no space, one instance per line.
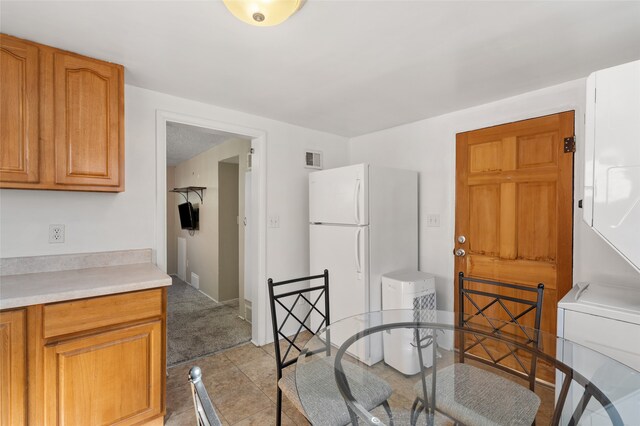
(240,255)
(260,317)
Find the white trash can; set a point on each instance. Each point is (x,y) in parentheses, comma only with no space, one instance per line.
(410,290)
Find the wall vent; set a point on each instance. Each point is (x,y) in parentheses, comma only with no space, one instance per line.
(313,159)
(195,281)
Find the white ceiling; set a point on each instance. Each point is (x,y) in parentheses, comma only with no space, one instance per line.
(346,67)
(185,141)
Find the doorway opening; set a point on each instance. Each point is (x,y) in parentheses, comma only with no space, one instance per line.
(235,234)
(207,252)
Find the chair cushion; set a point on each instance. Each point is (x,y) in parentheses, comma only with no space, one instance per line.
(323,402)
(475,396)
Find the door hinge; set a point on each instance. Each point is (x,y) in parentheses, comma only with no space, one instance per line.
(570,144)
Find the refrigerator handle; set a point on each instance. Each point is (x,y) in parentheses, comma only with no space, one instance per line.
(356,202)
(357,248)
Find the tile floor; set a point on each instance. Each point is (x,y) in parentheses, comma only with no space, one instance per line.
(240,381)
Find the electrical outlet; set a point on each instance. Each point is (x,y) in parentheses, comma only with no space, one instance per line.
(274,221)
(56,234)
(433,220)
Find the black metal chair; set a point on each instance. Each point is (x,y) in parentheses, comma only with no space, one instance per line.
(205,412)
(455,404)
(372,389)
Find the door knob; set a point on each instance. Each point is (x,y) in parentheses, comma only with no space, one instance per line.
(462,239)
(459,252)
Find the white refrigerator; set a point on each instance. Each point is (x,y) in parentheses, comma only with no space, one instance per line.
(363,224)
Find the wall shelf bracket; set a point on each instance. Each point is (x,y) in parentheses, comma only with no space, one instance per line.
(198,190)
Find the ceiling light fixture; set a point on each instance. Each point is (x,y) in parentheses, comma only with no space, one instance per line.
(263,13)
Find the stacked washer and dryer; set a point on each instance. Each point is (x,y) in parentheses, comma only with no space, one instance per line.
(605,317)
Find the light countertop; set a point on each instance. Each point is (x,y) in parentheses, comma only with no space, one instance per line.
(47,287)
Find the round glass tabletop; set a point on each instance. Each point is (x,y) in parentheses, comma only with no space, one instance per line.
(404,367)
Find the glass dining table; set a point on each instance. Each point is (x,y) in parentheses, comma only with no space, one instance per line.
(400,367)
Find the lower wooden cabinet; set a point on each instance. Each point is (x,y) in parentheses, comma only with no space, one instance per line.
(13,371)
(106,378)
(96,361)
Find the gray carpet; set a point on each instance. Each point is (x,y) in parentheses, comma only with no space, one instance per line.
(198,326)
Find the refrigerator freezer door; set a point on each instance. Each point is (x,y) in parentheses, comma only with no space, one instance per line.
(343,250)
(339,196)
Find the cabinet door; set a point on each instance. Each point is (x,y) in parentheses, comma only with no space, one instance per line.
(88,119)
(19,117)
(106,378)
(13,374)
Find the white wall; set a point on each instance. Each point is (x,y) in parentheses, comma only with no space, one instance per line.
(286,192)
(93,221)
(428,146)
(100,222)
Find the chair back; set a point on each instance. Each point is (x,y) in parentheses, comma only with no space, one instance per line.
(513,303)
(281,296)
(205,413)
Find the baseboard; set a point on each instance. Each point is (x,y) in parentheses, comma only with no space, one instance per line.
(208,296)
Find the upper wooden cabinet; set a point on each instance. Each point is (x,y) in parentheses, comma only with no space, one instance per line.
(19,119)
(86,116)
(62,119)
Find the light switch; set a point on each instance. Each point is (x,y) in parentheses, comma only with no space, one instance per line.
(433,220)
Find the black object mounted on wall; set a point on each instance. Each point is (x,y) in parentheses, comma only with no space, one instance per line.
(190,214)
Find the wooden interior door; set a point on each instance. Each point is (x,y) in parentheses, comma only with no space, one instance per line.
(514,206)
(88,121)
(13,370)
(19,103)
